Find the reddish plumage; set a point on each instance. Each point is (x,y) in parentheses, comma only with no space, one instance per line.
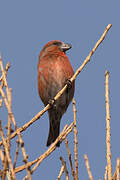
(54,69)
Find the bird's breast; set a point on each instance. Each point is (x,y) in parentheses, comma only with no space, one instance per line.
(52,76)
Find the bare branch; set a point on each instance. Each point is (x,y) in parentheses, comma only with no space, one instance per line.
(70,160)
(88,167)
(60,173)
(65,168)
(75,141)
(109,165)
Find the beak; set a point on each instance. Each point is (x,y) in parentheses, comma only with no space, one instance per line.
(65,46)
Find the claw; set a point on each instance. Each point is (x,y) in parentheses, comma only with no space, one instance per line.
(69,84)
(52,103)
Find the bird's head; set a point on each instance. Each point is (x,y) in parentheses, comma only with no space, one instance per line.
(54,47)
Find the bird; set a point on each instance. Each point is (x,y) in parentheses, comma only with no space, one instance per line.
(54,72)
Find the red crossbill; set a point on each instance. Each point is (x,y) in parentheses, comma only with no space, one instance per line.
(54,71)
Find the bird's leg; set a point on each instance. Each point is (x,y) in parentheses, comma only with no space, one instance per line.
(52,103)
(69,84)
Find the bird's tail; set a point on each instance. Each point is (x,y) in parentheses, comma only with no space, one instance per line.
(54,129)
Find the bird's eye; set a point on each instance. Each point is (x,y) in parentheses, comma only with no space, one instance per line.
(57,43)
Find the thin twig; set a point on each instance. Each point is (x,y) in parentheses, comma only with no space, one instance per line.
(75,141)
(65,168)
(1,100)
(1,79)
(60,173)
(9,176)
(6,70)
(2,156)
(105,175)
(88,167)
(9,132)
(16,154)
(7,152)
(5,166)
(9,119)
(108,155)
(70,160)
(117,169)
(38,115)
(4,76)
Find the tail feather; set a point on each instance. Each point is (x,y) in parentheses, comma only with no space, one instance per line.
(54,129)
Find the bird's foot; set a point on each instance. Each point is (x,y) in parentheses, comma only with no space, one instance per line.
(52,103)
(58,144)
(69,84)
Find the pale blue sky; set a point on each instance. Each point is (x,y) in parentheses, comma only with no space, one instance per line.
(25,26)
